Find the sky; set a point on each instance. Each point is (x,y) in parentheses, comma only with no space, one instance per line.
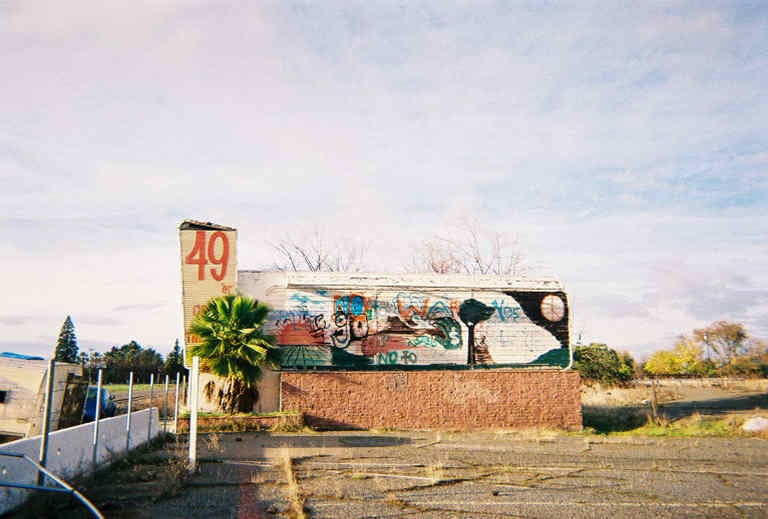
(622,146)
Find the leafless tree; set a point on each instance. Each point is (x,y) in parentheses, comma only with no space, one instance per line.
(471,249)
(727,340)
(314,253)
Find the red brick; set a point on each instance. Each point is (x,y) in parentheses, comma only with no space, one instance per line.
(453,400)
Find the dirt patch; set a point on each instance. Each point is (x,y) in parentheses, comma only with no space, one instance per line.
(623,409)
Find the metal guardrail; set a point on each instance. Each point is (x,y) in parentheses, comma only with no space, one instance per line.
(132,399)
(66,489)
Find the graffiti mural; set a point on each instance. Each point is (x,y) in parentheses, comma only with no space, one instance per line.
(369,328)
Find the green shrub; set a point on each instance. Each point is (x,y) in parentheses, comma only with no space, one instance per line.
(599,363)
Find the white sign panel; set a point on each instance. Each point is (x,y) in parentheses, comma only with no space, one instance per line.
(208,268)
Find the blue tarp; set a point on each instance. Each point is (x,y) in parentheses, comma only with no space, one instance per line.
(10,355)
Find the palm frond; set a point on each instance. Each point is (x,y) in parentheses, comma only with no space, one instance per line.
(231,341)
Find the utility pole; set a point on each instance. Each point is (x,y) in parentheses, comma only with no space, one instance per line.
(706,341)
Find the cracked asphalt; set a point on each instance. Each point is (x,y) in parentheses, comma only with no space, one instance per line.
(444,475)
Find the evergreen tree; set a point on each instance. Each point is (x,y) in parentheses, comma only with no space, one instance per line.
(174,362)
(66,345)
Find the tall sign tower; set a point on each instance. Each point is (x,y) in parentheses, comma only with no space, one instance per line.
(208,268)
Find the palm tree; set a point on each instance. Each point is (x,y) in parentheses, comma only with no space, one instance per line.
(232,345)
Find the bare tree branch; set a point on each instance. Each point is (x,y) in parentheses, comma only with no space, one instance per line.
(472,249)
(315,254)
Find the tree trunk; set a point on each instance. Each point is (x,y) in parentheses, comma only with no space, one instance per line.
(471,345)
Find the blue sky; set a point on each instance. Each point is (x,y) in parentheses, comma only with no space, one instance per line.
(623,145)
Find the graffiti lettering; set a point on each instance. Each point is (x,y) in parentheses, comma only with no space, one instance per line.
(396,357)
(358,326)
(506,312)
(438,310)
(351,305)
(350,318)
(303,299)
(340,336)
(424,340)
(409,305)
(282,315)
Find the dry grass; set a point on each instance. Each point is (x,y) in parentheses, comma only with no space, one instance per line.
(667,390)
(295,497)
(669,407)
(696,426)
(436,472)
(213,443)
(622,396)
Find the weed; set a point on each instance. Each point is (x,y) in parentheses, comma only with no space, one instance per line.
(295,496)
(392,500)
(285,426)
(696,425)
(382,430)
(436,472)
(212,443)
(177,470)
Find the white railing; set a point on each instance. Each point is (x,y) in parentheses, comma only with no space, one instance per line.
(73,451)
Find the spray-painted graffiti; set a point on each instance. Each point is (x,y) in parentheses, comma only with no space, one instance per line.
(446,335)
(506,312)
(350,319)
(401,327)
(396,357)
(302,329)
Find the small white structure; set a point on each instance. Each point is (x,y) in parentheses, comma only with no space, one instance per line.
(364,321)
(22,393)
(755,424)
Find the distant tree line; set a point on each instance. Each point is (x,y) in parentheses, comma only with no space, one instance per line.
(721,349)
(119,361)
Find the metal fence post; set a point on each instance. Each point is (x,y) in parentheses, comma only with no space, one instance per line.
(96,418)
(46,425)
(165,405)
(128,414)
(149,421)
(193,382)
(176,406)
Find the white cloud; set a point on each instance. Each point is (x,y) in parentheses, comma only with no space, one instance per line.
(624,145)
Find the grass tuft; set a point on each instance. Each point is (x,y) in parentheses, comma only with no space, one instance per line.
(295,496)
(694,426)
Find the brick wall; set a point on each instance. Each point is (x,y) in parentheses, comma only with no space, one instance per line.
(455,400)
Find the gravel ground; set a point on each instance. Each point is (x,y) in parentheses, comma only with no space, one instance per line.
(443,475)
(538,474)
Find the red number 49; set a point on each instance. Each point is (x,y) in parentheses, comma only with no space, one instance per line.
(197,256)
